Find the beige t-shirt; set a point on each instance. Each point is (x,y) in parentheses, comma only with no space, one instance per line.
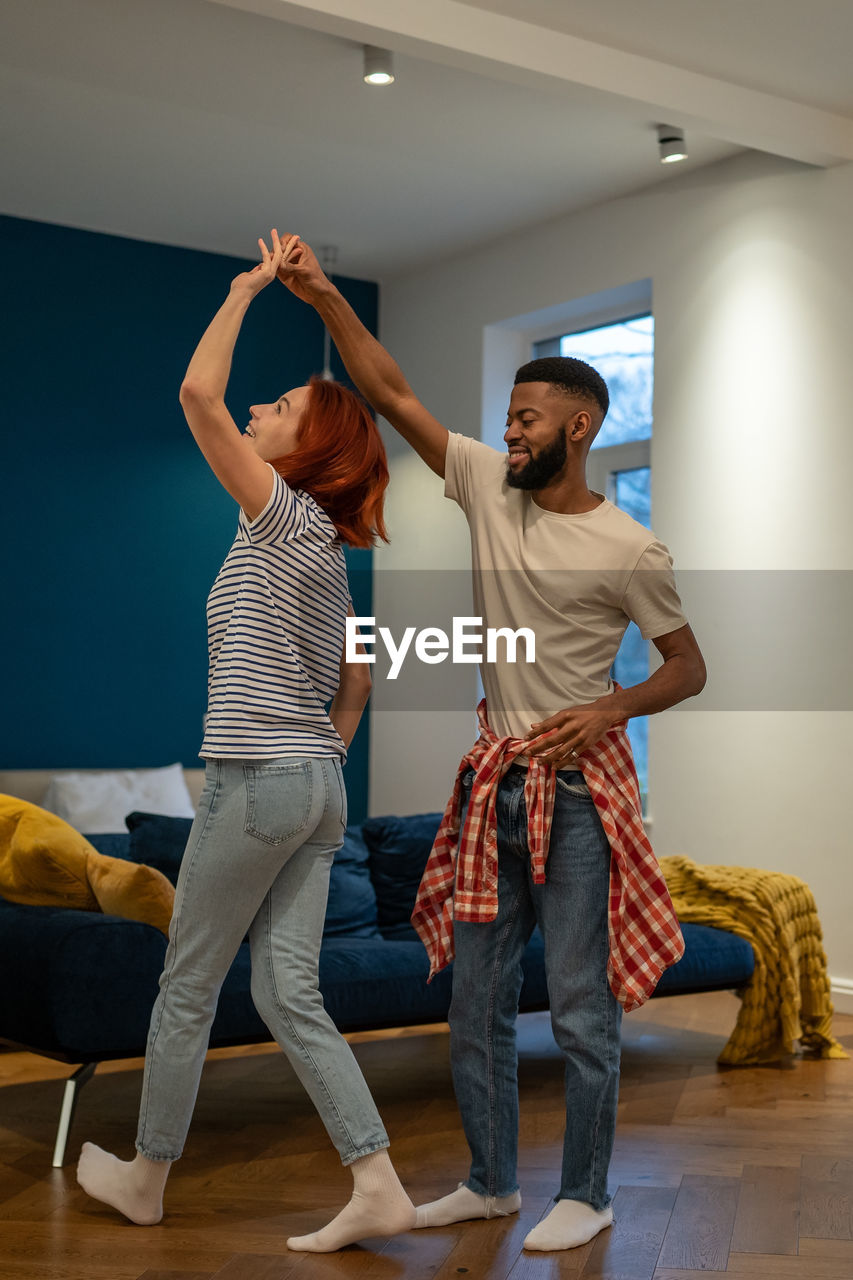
(574,580)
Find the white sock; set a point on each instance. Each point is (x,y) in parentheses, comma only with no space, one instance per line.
(463,1204)
(379,1207)
(569,1224)
(134,1187)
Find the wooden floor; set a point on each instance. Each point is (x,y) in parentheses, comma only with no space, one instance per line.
(738,1172)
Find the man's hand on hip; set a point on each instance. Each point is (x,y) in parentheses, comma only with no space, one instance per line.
(563,737)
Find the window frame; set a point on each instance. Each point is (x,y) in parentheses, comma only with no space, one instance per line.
(603,464)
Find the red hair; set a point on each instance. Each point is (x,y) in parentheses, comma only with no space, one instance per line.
(340,461)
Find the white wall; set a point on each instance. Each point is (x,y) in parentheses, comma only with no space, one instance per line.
(752,275)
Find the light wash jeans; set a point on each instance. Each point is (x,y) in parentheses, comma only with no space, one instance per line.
(571,911)
(258,860)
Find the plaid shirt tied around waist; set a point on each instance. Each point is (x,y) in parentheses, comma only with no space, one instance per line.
(461,876)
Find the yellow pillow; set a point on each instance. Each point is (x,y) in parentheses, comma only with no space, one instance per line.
(45,862)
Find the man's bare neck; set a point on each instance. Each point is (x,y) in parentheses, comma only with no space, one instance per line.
(567,497)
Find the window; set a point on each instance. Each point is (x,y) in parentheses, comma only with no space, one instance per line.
(619,464)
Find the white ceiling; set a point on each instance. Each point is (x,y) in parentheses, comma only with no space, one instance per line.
(798,49)
(200,122)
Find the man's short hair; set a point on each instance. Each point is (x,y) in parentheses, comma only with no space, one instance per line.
(569,374)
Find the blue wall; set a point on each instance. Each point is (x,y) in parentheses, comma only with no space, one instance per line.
(114,528)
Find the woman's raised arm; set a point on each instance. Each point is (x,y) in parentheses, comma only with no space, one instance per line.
(230,454)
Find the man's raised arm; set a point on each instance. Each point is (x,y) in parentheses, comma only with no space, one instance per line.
(376,374)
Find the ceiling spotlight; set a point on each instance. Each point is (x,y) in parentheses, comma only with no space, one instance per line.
(378,65)
(671,144)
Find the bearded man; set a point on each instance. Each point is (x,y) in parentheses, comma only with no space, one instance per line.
(544,826)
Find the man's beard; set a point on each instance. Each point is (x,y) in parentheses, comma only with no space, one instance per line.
(539,472)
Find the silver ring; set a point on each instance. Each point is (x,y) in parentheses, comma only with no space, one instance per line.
(573,753)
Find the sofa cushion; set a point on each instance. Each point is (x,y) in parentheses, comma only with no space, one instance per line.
(713,960)
(377,983)
(369,982)
(97,800)
(113,844)
(399,848)
(160,842)
(352,907)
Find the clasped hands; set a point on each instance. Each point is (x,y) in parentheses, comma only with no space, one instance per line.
(289,259)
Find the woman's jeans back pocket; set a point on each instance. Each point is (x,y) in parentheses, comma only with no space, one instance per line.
(278,799)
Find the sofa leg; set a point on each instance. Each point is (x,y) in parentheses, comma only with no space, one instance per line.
(69,1104)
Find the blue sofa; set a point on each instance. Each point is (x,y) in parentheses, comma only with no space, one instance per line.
(79,986)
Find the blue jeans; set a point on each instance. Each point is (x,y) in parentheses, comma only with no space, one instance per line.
(571,911)
(258,860)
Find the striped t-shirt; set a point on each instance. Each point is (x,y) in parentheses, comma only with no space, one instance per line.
(276,619)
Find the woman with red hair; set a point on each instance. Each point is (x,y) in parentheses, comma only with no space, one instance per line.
(309,474)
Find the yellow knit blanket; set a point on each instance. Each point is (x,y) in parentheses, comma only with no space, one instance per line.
(45,862)
(788,996)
